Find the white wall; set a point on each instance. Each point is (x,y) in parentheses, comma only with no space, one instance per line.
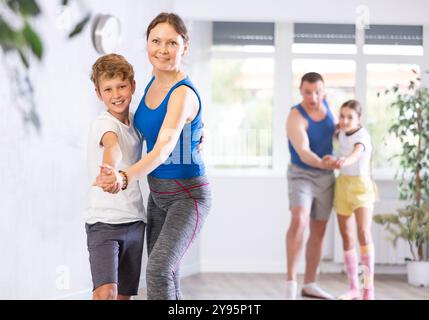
(43,178)
(245,231)
(332,11)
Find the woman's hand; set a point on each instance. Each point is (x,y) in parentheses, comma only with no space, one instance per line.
(109,179)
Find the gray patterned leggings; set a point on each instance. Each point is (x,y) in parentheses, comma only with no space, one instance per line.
(176,211)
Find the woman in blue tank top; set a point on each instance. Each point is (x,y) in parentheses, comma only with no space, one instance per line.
(169,117)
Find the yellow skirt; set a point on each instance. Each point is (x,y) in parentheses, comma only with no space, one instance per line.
(353,192)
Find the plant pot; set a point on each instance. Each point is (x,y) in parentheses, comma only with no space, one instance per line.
(418,273)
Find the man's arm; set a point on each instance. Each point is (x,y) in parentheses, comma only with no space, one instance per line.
(296,132)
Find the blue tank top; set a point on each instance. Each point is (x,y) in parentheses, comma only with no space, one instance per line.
(185,160)
(320,134)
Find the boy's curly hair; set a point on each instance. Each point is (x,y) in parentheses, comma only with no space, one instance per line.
(110,66)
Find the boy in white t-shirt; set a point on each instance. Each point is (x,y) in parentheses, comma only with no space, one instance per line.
(115,223)
(355,193)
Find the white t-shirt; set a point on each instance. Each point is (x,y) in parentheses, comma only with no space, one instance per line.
(347,144)
(126,205)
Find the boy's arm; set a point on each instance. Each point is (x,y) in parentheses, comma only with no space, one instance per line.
(112,153)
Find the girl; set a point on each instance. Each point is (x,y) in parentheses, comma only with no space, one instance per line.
(355,194)
(169,117)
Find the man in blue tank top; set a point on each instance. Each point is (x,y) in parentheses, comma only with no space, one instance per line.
(310,128)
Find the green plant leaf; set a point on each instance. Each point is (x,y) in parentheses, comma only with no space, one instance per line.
(33,41)
(9,38)
(80,26)
(24,7)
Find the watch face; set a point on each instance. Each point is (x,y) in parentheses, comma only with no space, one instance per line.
(106,33)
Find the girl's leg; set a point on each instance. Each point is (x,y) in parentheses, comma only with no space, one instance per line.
(346,225)
(364,219)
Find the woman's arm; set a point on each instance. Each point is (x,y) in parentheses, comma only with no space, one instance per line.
(180,109)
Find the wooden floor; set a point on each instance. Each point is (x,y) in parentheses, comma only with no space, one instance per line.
(244,286)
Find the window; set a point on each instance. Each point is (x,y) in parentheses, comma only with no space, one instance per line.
(378,113)
(324,38)
(247,58)
(243,33)
(241,112)
(394,40)
(240,117)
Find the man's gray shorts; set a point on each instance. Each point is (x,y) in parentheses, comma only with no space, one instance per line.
(312,189)
(115,254)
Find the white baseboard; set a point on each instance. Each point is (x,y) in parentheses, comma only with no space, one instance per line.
(332,267)
(189,269)
(325,267)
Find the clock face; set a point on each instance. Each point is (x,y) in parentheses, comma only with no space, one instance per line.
(106,33)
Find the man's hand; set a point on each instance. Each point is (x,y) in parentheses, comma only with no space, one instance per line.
(330,162)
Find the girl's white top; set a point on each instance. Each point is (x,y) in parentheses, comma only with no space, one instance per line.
(347,144)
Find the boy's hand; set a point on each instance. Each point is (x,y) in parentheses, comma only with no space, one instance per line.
(109,179)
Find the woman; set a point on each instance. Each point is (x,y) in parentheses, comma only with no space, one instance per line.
(169,117)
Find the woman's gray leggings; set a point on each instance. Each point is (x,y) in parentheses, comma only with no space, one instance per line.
(176,210)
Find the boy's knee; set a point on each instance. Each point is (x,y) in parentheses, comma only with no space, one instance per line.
(106,292)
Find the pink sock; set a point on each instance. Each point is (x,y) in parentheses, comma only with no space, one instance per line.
(351,263)
(368,260)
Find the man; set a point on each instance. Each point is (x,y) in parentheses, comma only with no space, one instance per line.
(310,128)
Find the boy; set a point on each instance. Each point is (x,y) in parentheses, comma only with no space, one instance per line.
(115,223)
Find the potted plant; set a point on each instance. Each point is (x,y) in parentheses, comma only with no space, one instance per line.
(411,223)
